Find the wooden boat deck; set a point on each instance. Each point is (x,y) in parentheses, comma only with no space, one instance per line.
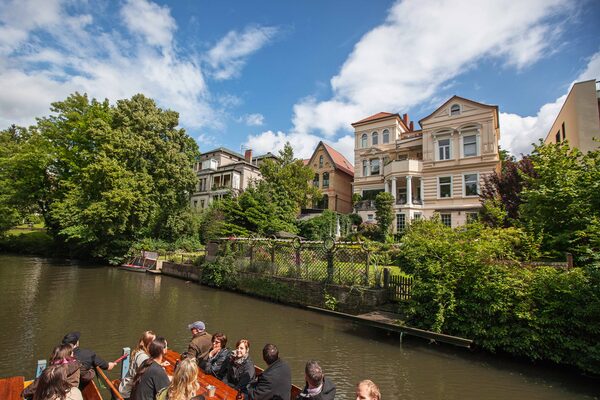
(11,388)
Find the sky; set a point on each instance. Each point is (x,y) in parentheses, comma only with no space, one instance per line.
(255,74)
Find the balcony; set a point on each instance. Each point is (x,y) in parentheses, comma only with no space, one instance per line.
(365,205)
(401,200)
(403,167)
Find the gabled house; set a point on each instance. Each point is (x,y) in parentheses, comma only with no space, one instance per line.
(437,169)
(333,176)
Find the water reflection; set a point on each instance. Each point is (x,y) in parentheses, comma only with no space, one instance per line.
(42,300)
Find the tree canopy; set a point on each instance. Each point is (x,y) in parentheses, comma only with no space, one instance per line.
(103,175)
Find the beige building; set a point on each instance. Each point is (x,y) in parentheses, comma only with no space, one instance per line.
(578,121)
(222,171)
(333,176)
(438,169)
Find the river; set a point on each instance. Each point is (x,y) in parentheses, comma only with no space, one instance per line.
(43,299)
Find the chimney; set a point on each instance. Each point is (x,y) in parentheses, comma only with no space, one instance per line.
(411,127)
(405,118)
(248,156)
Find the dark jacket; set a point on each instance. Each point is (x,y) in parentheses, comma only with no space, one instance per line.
(216,365)
(200,346)
(327,393)
(239,376)
(73,374)
(89,361)
(274,383)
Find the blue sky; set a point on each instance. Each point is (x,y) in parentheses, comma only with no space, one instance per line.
(260,73)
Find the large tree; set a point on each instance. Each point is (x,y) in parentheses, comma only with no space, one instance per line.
(103,176)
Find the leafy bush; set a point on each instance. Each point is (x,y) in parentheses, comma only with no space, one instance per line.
(469,282)
(220,273)
(37,242)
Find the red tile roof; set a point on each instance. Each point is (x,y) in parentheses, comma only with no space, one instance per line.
(306,161)
(339,160)
(374,117)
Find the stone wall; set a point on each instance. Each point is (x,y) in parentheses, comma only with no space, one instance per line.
(185,271)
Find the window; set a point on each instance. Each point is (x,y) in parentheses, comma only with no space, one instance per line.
(444,186)
(455,109)
(472,217)
(369,217)
(316,180)
(557,137)
(471,183)
(400,222)
(446,219)
(402,157)
(374,139)
(195,203)
(564,132)
(417,216)
(444,149)
(375,166)
(321,162)
(363,140)
(201,203)
(326,179)
(470,146)
(386,136)
(365,168)
(323,204)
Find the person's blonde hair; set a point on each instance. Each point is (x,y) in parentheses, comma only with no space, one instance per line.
(145,340)
(372,387)
(185,381)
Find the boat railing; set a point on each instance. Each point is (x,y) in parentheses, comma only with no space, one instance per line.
(109,384)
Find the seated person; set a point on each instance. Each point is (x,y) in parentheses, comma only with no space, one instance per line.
(367,390)
(61,355)
(318,386)
(151,377)
(239,367)
(200,344)
(218,354)
(276,380)
(88,359)
(138,356)
(184,384)
(53,384)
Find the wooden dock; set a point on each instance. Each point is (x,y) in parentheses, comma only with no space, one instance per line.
(391,322)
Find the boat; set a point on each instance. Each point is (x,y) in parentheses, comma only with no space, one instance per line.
(146,261)
(11,388)
(222,392)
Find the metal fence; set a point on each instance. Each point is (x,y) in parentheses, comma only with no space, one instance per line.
(342,263)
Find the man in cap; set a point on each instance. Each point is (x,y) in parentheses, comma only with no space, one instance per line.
(201,342)
(88,359)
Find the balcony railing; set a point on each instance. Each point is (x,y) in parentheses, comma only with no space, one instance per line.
(401,200)
(365,205)
(402,167)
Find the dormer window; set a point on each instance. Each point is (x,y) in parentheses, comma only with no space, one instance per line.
(363,140)
(386,136)
(374,138)
(321,162)
(455,109)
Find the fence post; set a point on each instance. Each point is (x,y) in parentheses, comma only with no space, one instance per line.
(329,266)
(569,260)
(41,366)
(386,278)
(273,258)
(367,266)
(125,364)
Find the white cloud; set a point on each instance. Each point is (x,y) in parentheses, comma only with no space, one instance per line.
(58,53)
(303,144)
(153,22)
(253,119)
(421,46)
(518,133)
(228,56)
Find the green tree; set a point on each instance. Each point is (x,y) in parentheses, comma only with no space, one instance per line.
(103,176)
(384,212)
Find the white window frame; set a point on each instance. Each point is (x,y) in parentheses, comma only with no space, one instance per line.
(364,141)
(452,106)
(320,161)
(370,217)
(384,134)
(403,222)
(437,148)
(439,192)
(417,216)
(470,131)
(374,138)
(464,184)
(442,215)
(366,168)
(469,219)
(371,166)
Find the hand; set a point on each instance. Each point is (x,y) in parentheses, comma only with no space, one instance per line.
(111,365)
(165,363)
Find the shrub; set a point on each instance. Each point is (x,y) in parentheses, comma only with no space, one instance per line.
(220,273)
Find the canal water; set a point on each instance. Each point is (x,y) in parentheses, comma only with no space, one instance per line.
(43,299)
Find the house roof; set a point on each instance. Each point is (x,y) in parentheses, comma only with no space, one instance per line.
(339,161)
(453,98)
(306,161)
(381,116)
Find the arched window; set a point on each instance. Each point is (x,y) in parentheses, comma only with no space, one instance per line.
(374,138)
(325,179)
(386,136)
(455,109)
(321,162)
(325,202)
(316,180)
(363,140)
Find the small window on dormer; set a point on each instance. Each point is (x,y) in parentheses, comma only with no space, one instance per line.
(375,138)
(386,136)
(320,161)
(455,109)
(363,140)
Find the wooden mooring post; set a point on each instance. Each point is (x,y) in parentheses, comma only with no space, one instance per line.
(126,361)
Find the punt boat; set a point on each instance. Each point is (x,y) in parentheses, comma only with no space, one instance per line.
(11,388)
(146,261)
